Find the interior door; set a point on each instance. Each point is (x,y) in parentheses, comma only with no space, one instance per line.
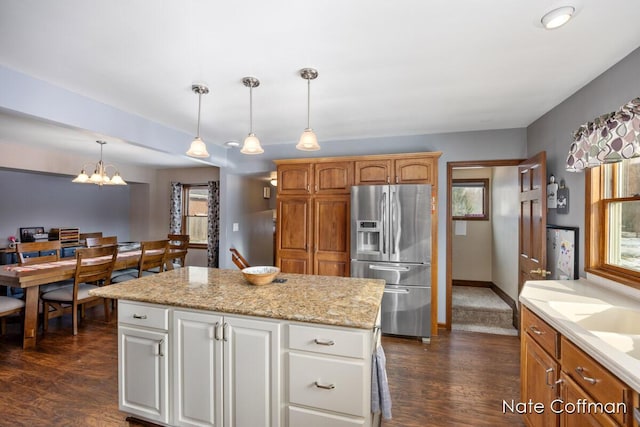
(532,260)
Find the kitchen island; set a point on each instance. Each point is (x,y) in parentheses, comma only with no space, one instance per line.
(201,346)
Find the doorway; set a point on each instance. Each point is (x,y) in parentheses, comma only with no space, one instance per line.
(482,246)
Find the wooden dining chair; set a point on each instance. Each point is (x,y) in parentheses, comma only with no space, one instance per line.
(91,242)
(94,265)
(38,252)
(153,259)
(238,259)
(8,307)
(84,236)
(30,253)
(178,246)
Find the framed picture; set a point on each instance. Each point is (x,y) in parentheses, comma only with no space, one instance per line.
(562,252)
(28,234)
(563,201)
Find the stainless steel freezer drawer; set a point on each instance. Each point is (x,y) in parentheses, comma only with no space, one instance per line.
(406,310)
(393,273)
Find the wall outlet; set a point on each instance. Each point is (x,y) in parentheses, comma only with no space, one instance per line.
(236,227)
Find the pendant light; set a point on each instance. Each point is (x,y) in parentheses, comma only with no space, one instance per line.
(100,176)
(198,148)
(251,142)
(308,140)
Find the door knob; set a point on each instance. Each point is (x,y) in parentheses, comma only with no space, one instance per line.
(541,272)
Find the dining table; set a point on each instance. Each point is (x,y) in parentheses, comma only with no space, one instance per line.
(30,277)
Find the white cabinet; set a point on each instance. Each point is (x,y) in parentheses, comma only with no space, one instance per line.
(329,376)
(197,369)
(251,372)
(225,370)
(143,368)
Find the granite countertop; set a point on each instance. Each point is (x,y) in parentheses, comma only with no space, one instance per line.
(600,318)
(327,300)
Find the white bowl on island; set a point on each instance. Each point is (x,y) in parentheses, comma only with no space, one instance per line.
(261,274)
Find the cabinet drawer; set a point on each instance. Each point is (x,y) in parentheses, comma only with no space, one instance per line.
(328,383)
(541,332)
(596,380)
(143,315)
(328,341)
(307,417)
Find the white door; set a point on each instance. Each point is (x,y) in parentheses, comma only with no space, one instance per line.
(251,373)
(197,369)
(143,373)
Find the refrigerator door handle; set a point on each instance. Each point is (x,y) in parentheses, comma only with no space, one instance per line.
(396,291)
(395,221)
(383,209)
(387,268)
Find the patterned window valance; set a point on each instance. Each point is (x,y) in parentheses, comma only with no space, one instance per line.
(609,138)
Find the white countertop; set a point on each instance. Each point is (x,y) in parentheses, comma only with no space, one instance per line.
(602,319)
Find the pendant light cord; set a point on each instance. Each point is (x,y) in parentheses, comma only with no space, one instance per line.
(250,108)
(308,103)
(199,104)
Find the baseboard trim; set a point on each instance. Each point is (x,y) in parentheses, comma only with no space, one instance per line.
(506,298)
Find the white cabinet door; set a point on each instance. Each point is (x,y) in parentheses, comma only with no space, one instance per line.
(197,368)
(251,372)
(143,373)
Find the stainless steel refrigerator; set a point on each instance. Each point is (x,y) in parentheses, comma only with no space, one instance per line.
(391,240)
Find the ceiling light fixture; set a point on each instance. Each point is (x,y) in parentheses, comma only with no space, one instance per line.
(308,139)
(100,176)
(557,17)
(251,142)
(198,148)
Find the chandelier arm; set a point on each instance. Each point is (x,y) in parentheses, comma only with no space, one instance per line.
(251,109)
(199,105)
(308,103)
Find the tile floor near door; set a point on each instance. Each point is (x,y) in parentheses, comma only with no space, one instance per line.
(459,379)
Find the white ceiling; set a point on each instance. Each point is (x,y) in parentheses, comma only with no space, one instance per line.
(386,67)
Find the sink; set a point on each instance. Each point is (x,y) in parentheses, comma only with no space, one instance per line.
(600,317)
(617,326)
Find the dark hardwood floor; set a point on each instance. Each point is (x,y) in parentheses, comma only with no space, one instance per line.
(459,379)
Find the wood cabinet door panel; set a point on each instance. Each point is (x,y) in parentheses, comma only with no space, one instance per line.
(572,394)
(539,373)
(295,178)
(331,235)
(414,171)
(333,178)
(294,264)
(294,217)
(372,172)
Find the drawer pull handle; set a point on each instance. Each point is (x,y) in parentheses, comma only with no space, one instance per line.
(580,371)
(140,316)
(324,342)
(325,386)
(546,379)
(535,330)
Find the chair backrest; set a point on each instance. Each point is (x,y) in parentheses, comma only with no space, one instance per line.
(95,264)
(99,241)
(238,259)
(38,252)
(84,236)
(154,254)
(179,246)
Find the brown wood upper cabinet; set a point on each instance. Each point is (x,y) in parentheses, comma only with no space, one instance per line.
(409,170)
(315,178)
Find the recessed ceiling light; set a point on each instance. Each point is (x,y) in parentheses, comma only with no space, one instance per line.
(232,143)
(557,17)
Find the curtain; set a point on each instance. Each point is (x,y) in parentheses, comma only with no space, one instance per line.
(213,234)
(175,209)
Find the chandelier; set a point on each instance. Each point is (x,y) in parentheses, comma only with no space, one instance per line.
(100,176)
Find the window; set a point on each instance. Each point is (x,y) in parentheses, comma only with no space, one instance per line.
(613,221)
(470,199)
(195,221)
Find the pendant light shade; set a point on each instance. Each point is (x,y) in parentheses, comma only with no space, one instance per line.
(251,142)
(198,148)
(308,140)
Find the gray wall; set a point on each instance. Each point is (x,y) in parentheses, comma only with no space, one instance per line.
(30,200)
(552,132)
